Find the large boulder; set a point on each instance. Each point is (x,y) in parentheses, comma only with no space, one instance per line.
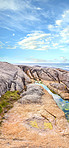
(12,78)
(32,95)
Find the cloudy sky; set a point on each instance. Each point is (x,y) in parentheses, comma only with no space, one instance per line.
(34,31)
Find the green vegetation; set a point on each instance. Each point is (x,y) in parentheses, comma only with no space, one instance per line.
(1,108)
(7,100)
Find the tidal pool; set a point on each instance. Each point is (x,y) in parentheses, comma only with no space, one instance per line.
(62,104)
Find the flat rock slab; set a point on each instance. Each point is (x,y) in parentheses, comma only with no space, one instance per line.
(35,125)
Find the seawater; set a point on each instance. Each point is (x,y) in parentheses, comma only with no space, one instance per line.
(62,104)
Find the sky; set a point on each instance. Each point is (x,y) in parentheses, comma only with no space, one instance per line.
(34,31)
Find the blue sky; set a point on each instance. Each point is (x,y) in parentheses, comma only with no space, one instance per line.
(34,31)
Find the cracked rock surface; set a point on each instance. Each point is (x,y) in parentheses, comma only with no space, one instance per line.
(32,95)
(57,79)
(38,125)
(12,78)
(35,121)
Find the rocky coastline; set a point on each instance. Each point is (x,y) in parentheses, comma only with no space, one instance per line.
(56,79)
(35,117)
(16,77)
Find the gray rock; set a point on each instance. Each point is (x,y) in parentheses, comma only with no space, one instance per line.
(13,87)
(59,86)
(12,78)
(32,95)
(50,74)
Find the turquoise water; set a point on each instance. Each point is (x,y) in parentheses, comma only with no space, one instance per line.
(63,104)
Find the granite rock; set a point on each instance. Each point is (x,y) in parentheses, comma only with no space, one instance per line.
(32,95)
(12,78)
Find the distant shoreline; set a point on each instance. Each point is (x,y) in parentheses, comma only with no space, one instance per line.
(64,66)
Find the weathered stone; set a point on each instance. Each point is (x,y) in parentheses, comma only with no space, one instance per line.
(50,74)
(13,87)
(32,95)
(59,86)
(35,125)
(12,78)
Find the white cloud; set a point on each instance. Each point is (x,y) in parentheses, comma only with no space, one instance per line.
(65,14)
(18,15)
(6,42)
(42,41)
(64,21)
(14,4)
(50,27)
(11,47)
(64,59)
(65,32)
(13,34)
(33,37)
(35,41)
(55,44)
(38,60)
(60,32)
(58,22)
(6,4)
(38,8)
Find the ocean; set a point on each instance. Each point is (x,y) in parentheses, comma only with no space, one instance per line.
(64,66)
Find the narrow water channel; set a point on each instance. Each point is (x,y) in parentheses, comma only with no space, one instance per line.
(62,104)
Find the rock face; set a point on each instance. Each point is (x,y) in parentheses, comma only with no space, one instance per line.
(12,78)
(36,119)
(50,74)
(59,86)
(32,95)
